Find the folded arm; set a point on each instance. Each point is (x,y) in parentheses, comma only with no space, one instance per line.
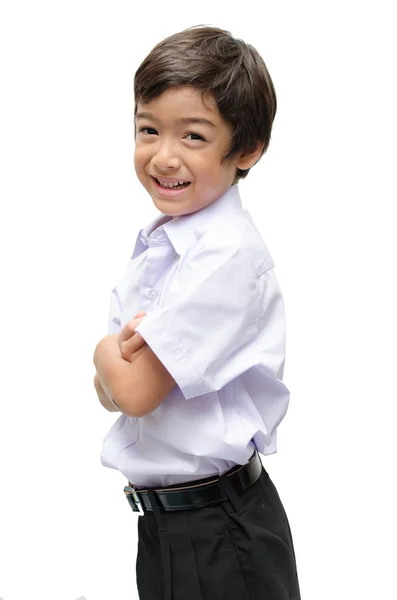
(130,347)
(138,387)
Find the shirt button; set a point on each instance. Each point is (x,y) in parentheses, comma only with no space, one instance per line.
(153,294)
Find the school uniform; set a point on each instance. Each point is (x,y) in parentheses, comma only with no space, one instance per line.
(215,319)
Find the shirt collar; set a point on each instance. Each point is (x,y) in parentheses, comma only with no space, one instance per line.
(180,231)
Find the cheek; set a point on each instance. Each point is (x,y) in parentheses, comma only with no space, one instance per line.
(210,173)
(141,157)
(207,167)
(136,160)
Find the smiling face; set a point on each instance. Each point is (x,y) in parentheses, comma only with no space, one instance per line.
(179,146)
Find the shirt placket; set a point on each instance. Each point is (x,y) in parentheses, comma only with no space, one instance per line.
(159,258)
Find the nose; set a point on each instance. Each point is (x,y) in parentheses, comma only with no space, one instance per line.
(166,157)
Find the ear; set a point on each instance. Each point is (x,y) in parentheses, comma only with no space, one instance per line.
(248,159)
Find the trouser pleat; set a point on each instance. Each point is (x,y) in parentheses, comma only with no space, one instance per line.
(164,547)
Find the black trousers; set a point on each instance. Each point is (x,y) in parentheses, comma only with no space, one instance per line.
(240,549)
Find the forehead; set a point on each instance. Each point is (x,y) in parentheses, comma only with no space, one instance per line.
(183,101)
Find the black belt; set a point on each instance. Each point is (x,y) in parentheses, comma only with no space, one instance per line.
(195,495)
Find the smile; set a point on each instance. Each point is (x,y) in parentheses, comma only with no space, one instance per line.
(172,183)
(170,187)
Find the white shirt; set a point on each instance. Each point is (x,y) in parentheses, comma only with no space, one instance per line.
(215,319)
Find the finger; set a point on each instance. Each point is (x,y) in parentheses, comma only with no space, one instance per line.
(129,330)
(132,345)
(134,355)
(141,313)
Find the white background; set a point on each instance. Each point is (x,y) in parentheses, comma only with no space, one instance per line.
(323,197)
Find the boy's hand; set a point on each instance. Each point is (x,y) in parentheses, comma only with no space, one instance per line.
(129,341)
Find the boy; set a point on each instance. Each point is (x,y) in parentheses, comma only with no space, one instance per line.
(194,358)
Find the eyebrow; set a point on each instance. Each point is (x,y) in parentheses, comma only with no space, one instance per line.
(186,120)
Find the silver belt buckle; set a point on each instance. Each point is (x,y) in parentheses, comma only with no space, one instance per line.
(134,502)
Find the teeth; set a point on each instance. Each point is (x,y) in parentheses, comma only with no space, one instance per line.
(170,185)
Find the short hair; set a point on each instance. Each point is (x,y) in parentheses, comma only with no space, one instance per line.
(212,60)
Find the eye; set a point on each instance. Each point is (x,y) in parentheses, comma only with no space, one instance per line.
(148,130)
(196,136)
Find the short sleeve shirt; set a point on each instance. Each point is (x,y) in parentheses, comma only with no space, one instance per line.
(215,319)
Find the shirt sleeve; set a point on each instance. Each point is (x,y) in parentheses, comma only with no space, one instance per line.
(208,336)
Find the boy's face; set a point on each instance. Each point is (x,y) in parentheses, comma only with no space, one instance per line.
(181,139)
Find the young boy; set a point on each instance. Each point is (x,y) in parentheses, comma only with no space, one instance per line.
(194,358)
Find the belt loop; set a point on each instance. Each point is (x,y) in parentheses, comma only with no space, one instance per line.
(164,546)
(159,517)
(226,485)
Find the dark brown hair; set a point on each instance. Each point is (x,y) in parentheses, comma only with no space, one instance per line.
(211,60)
